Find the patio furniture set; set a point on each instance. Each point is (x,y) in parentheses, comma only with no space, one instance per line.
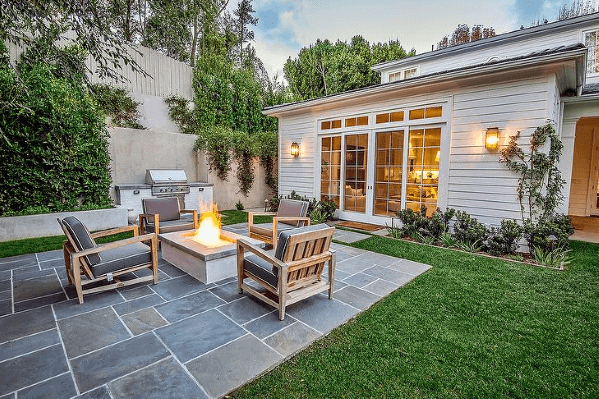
(293,273)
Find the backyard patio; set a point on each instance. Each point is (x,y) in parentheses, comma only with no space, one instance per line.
(180,338)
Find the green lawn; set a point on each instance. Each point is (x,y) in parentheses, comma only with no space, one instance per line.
(470,327)
(42,244)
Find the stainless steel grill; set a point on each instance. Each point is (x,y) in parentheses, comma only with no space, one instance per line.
(167,182)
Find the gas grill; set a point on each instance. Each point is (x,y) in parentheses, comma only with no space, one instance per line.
(167,182)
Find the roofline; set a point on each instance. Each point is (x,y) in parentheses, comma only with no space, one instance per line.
(491,41)
(498,66)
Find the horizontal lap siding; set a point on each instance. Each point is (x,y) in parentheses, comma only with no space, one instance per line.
(478,182)
(297,173)
(519,48)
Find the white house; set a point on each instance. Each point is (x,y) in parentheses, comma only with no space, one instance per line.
(419,137)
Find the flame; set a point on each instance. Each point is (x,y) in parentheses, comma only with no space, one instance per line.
(208,233)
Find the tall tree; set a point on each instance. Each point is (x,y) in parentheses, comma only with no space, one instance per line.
(323,68)
(578,8)
(244,19)
(462,34)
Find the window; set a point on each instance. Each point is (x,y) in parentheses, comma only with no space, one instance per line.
(396,116)
(356,155)
(424,150)
(591,40)
(428,112)
(330,169)
(327,125)
(358,121)
(403,74)
(388,174)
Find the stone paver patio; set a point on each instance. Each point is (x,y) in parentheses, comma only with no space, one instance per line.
(180,338)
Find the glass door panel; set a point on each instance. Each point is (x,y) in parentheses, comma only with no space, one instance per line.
(356,158)
(387,179)
(423,169)
(330,169)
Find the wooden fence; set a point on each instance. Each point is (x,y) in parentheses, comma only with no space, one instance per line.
(167,75)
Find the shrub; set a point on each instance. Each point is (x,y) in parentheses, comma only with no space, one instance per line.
(469,232)
(504,240)
(54,146)
(239,206)
(549,234)
(413,224)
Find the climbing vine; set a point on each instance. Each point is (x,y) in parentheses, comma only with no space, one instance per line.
(540,182)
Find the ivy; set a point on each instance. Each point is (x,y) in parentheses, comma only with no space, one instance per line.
(118,105)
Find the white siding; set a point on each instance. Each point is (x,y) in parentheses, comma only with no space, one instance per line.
(297,173)
(478,182)
(473,179)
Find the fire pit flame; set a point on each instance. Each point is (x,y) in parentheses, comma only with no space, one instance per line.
(209,231)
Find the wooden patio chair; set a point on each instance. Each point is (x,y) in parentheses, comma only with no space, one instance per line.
(291,214)
(294,272)
(82,256)
(163,215)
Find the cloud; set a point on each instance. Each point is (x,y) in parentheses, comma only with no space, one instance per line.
(288,25)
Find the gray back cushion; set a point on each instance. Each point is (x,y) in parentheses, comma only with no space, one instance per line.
(82,237)
(291,208)
(281,249)
(167,208)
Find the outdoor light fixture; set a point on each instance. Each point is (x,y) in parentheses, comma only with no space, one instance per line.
(492,139)
(294,149)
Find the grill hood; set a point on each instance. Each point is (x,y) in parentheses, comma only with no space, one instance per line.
(165,176)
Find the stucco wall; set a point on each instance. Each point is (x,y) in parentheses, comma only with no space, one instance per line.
(132,151)
(227,193)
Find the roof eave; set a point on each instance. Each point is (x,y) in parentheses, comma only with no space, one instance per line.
(428,79)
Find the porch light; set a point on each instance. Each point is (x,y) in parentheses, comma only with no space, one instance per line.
(492,139)
(294,149)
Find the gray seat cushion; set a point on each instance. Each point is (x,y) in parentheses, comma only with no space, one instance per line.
(265,229)
(82,237)
(171,225)
(167,208)
(260,268)
(291,208)
(122,257)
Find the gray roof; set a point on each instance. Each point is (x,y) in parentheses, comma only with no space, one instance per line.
(516,35)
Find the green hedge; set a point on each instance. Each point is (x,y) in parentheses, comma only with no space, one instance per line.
(53,143)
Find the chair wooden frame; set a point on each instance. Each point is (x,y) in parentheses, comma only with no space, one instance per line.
(76,263)
(143,217)
(299,273)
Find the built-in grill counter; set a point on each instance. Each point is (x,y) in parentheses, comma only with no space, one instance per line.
(163,183)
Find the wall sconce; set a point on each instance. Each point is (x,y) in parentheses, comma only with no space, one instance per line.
(492,138)
(294,149)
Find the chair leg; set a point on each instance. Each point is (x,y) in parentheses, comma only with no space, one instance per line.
(154,246)
(66,254)
(332,264)
(240,258)
(77,277)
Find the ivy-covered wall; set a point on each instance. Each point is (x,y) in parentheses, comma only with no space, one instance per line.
(53,143)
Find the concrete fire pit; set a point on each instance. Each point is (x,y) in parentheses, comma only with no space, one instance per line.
(204,263)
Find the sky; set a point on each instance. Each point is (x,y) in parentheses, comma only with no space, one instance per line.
(285,26)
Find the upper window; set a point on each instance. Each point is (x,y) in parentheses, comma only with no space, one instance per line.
(333,124)
(403,74)
(591,40)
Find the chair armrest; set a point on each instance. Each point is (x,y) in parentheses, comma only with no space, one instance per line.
(195,216)
(252,214)
(143,220)
(312,260)
(110,232)
(261,253)
(112,245)
(150,216)
(291,219)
